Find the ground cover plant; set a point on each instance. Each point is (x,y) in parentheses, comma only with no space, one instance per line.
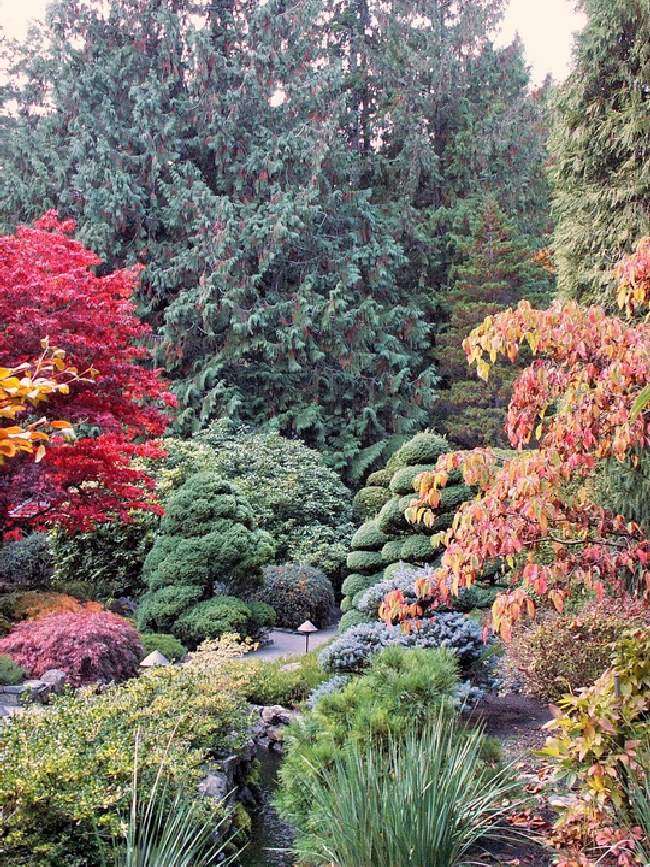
(67,774)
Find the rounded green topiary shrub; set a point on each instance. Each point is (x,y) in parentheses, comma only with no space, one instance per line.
(403,482)
(208,543)
(391,517)
(356,582)
(369,536)
(380,478)
(418,549)
(423,448)
(368,501)
(297,593)
(392,550)
(160,609)
(164,643)
(365,561)
(213,617)
(353,618)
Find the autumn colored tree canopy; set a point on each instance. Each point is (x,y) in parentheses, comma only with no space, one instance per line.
(49,291)
(579,403)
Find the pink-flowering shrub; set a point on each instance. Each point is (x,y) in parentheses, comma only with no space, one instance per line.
(88,646)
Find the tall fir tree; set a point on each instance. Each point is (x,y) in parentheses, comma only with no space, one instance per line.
(600,149)
(497,270)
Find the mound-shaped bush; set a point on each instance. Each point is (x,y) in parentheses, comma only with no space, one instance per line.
(164,643)
(221,614)
(10,673)
(26,563)
(297,593)
(353,651)
(88,646)
(208,544)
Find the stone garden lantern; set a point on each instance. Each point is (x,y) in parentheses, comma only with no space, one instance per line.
(306,629)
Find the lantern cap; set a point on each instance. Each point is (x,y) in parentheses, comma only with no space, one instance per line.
(307,627)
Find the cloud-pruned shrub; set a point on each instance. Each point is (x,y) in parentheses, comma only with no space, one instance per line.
(208,545)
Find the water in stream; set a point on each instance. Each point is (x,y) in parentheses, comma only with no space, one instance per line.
(270,837)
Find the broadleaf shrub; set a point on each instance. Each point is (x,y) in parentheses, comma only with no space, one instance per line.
(297,592)
(220,615)
(595,735)
(87,646)
(565,653)
(68,774)
(26,563)
(296,498)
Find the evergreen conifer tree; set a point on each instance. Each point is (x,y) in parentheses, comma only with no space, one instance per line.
(600,149)
(497,270)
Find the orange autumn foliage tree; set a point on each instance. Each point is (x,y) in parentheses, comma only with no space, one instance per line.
(22,389)
(579,403)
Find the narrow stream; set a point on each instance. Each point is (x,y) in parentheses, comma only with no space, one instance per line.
(270,836)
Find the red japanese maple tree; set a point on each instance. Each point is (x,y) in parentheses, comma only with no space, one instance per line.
(580,402)
(49,289)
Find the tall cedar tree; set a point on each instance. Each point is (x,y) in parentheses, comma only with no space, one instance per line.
(290,176)
(600,147)
(497,271)
(48,290)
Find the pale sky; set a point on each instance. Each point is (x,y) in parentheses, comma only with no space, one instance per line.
(546,27)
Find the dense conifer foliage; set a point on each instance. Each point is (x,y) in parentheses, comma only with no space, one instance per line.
(600,149)
(496,270)
(292,178)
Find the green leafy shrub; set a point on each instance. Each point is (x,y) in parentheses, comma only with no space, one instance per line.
(296,498)
(380,478)
(476,596)
(403,688)
(10,673)
(297,592)
(566,653)
(222,614)
(26,563)
(286,681)
(208,540)
(166,644)
(68,774)
(108,561)
(425,799)
(594,737)
(418,549)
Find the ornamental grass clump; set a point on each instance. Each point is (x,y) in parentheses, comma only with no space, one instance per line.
(424,801)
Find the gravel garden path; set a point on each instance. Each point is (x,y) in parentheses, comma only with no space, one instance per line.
(286,643)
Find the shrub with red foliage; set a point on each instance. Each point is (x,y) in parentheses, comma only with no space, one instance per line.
(88,646)
(49,288)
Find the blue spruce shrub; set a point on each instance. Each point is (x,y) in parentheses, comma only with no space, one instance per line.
(334,684)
